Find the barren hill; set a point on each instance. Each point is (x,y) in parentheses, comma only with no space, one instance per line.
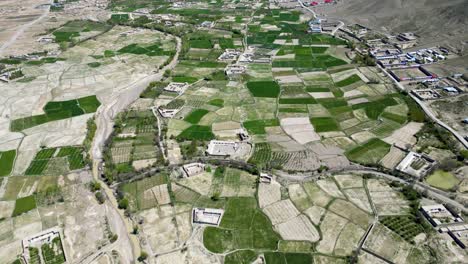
(435,21)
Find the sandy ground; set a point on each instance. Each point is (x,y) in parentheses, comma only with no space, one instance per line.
(300,129)
(268,193)
(281,211)
(404,135)
(298,229)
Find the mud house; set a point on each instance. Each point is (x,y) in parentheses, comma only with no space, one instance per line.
(415,164)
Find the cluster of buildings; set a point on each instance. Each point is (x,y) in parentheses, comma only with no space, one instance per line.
(318,3)
(441,87)
(447,221)
(320,25)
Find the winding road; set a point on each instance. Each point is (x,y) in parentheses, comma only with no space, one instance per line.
(104,120)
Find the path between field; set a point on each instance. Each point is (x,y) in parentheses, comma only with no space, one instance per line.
(23,28)
(104,120)
(436,194)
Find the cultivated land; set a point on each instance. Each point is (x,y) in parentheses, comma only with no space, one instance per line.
(95,143)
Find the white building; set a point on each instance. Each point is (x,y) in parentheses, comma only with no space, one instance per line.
(229,55)
(222,148)
(193,169)
(176,87)
(207,216)
(167,113)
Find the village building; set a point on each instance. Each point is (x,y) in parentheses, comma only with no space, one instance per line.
(37,240)
(426,94)
(459,234)
(229,55)
(167,113)
(265,178)
(234,70)
(439,215)
(222,148)
(193,169)
(207,216)
(207,24)
(415,164)
(176,87)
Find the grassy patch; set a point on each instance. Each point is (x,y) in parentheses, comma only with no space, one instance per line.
(57,111)
(196,115)
(183,79)
(369,153)
(442,180)
(94,64)
(324,124)
(196,132)
(217,102)
(348,81)
(394,117)
(7,159)
(258,126)
(243,226)
(23,205)
(240,257)
(267,89)
(375,108)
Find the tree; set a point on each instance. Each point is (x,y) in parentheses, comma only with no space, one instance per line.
(123,203)
(95,186)
(143,256)
(448,164)
(113,238)
(99,197)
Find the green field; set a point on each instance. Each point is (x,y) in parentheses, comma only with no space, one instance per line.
(442,180)
(348,81)
(240,257)
(243,226)
(258,126)
(267,89)
(57,111)
(196,132)
(7,159)
(134,191)
(118,18)
(405,226)
(375,108)
(217,102)
(73,156)
(23,205)
(53,253)
(306,100)
(324,124)
(287,258)
(261,155)
(369,153)
(196,115)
